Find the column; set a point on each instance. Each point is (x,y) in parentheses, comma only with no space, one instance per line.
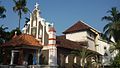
(38,56)
(43,37)
(37,28)
(12,57)
(34,58)
(30,24)
(52,56)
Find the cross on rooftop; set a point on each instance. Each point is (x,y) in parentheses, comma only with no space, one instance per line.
(36,5)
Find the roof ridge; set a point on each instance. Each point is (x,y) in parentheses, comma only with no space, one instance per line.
(89,26)
(79,26)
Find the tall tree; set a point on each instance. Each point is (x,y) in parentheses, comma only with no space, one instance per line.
(112,28)
(20,7)
(4,36)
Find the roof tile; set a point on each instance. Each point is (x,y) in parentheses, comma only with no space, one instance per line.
(77,27)
(23,39)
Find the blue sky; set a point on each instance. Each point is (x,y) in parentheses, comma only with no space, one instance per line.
(64,13)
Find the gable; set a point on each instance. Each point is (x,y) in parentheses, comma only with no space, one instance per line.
(77,27)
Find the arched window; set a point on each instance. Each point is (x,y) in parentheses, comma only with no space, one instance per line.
(75,59)
(66,59)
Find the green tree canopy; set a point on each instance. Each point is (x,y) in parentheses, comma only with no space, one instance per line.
(112,28)
(20,7)
(4,35)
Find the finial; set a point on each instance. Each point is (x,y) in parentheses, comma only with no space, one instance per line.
(15,34)
(52,29)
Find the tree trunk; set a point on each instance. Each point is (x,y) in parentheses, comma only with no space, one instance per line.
(20,14)
(19,24)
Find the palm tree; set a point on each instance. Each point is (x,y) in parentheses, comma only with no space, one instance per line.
(112,28)
(2,11)
(20,7)
(84,54)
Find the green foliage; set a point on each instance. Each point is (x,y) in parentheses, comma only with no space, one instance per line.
(84,54)
(112,28)
(116,61)
(2,12)
(20,7)
(117,45)
(4,35)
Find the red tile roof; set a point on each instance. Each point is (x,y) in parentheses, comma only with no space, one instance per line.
(65,43)
(77,27)
(23,40)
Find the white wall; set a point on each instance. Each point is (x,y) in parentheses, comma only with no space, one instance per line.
(91,35)
(101,49)
(101,45)
(78,36)
(91,44)
(82,36)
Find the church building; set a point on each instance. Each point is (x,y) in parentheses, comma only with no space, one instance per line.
(39,45)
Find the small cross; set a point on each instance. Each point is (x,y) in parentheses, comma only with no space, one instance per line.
(36,5)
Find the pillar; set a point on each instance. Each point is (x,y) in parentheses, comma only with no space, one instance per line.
(52,56)
(52,47)
(12,57)
(43,35)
